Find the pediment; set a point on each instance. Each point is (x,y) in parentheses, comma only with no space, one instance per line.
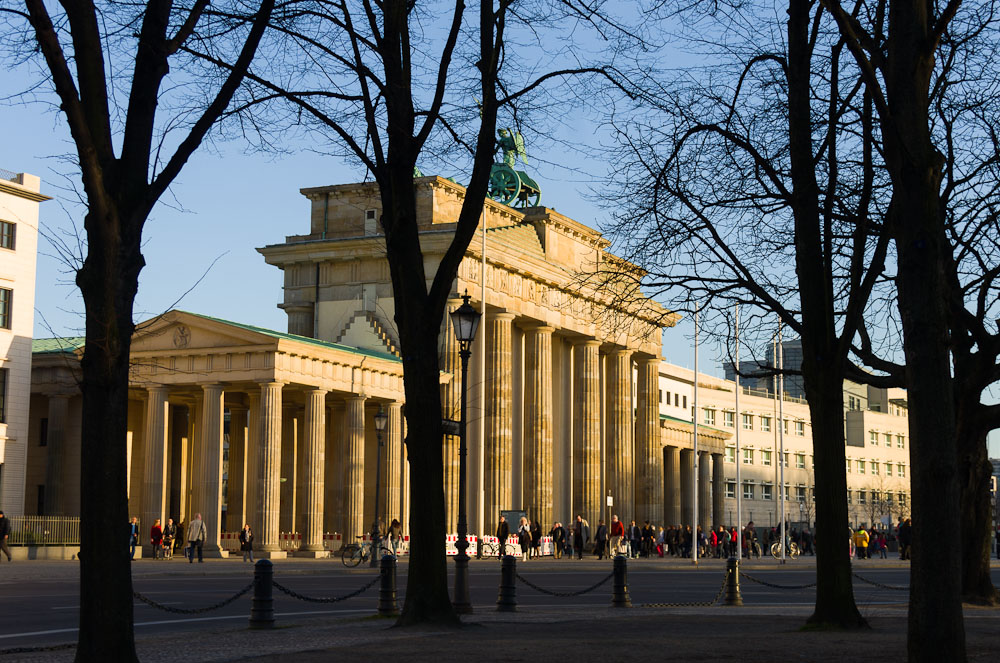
(178,331)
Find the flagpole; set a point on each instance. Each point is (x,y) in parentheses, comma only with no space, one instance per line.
(739,459)
(694,419)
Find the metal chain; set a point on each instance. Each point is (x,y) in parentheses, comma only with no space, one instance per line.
(564,594)
(35,650)
(191,611)
(332,599)
(692,604)
(881,585)
(774,585)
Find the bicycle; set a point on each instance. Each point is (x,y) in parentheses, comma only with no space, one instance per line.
(492,549)
(355,553)
(793,550)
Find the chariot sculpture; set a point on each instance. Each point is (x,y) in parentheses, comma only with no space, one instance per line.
(507,185)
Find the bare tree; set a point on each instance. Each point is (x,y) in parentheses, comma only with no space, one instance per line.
(127,158)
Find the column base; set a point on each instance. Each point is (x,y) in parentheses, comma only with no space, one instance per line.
(311,554)
(270,554)
(218,553)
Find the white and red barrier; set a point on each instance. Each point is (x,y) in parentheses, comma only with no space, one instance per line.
(451,541)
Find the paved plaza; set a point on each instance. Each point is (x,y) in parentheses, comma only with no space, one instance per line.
(40,611)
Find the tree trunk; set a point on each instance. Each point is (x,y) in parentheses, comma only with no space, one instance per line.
(974,471)
(108,281)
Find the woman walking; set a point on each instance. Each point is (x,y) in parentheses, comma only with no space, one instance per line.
(246,543)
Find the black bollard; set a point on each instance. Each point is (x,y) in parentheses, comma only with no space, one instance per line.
(507,598)
(387,587)
(619,591)
(262,607)
(733,596)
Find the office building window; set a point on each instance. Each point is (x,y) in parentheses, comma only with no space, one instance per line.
(729,418)
(800,461)
(901,470)
(766,491)
(6,302)
(873,438)
(709,417)
(848,462)
(748,456)
(800,493)
(747,421)
(731,489)
(874,467)
(7,230)
(784,459)
(765,457)
(784,426)
(765,424)
(861,467)
(730,454)
(787,499)
(888,439)
(747,491)
(900,442)
(902,499)
(849,493)
(888,469)
(800,428)
(862,497)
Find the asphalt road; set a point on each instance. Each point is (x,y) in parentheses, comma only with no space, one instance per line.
(39,605)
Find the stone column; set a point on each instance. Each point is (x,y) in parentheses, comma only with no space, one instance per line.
(718,491)
(649,457)
(195,487)
(334,505)
(236,511)
(587,433)
(251,492)
(354,469)
(394,459)
(269,469)
(314,461)
(538,423)
(300,318)
(289,453)
(704,483)
(451,405)
(154,491)
(55,442)
(620,445)
(687,485)
(499,416)
(672,485)
(211,467)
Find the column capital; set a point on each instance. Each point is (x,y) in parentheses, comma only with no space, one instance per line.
(501,315)
(585,342)
(648,360)
(356,397)
(315,390)
(618,351)
(538,327)
(149,388)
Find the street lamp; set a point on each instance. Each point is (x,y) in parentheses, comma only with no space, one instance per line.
(381,419)
(465,320)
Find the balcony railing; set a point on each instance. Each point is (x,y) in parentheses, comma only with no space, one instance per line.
(45,531)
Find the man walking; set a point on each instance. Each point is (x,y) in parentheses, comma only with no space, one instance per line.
(600,539)
(503,531)
(617,533)
(558,535)
(580,537)
(197,533)
(133,536)
(4,534)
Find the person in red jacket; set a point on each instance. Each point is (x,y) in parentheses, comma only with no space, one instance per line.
(617,534)
(156,538)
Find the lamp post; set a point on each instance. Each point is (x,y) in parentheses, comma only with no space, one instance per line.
(381,419)
(465,320)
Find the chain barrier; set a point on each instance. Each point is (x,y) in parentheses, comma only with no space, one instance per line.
(774,585)
(332,599)
(35,650)
(564,594)
(191,611)
(692,604)
(881,585)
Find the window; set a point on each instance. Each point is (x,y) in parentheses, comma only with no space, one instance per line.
(766,491)
(3,395)
(7,236)
(677,400)
(800,493)
(901,470)
(874,467)
(731,489)
(748,456)
(709,417)
(849,493)
(371,221)
(888,439)
(747,490)
(784,426)
(888,469)
(43,432)
(765,424)
(800,461)
(861,467)
(784,459)
(661,397)
(902,499)
(685,402)
(765,457)
(800,428)
(900,442)
(6,297)
(729,418)
(873,438)
(848,465)
(889,498)
(862,497)
(786,493)
(747,421)
(730,454)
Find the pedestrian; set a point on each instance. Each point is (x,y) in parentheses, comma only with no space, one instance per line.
(861,543)
(246,543)
(4,534)
(883,546)
(660,541)
(905,539)
(395,536)
(502,534)
(647,539)
(617,534)
(169,535)
(196,535)
(558,534)
(133,536)
(156,538)
(686,541)
(600,539)
(536,538)
(580,536)
(634,539)
(524,538)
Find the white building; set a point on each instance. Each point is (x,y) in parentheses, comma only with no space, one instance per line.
(19,198)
